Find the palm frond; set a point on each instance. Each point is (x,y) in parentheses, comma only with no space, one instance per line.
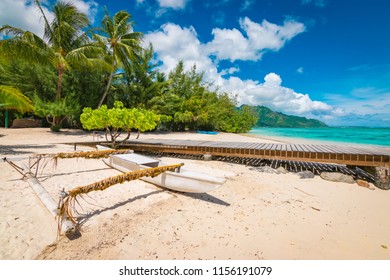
(48,32)
(108,25)
(12,98)
(24,44)
(122,24)
(67,22)
(84,38)
(84,52)
(9,30)
(133,36)
(100,39)
(27,47)
(90,56)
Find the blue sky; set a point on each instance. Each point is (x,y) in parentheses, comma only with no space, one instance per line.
(325,59)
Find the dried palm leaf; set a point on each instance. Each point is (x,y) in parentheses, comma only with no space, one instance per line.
(67,207)
(89,154)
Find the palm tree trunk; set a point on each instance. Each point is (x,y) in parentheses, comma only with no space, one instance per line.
(108,85)
(59,83)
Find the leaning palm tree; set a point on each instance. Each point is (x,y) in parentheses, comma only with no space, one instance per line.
(63,45)
(121,45)
(13,99)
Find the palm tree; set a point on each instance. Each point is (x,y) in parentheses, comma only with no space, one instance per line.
(121,45)
(13,99)
(63,44)
(142,81)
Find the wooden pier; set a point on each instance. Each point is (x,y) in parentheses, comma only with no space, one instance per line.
(340,154)
(373,161)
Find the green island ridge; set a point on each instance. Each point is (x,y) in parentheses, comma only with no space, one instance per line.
(269,118)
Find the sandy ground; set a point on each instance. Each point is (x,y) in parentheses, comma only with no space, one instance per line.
(252,216)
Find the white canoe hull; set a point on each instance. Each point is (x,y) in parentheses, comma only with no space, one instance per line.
(183,181)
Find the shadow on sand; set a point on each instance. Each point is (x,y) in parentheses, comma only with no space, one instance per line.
(43,178)
(22,149)
(205,197)
(74,132)
(83,219)
(201,196)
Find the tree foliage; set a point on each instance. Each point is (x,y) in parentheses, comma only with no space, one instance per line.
(193,105)
(120,44)
(239,120)
(118,119)
(63,47)
(56,111)
(73,67)
(141,82)
(64,44)
(13,99)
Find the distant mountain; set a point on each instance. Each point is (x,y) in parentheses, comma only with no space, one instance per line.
(269,118)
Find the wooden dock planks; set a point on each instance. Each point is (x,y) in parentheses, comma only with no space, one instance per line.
(342,154)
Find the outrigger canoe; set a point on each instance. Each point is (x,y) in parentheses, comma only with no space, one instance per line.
(182,180)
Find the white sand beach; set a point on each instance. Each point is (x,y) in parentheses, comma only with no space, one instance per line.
(252,216)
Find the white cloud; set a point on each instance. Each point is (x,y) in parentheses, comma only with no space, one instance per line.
(269,35)
(90,8)
(24,14)
(174,4)
(272,94)
(300,70)
(363,101)
(173,43)
(233,45)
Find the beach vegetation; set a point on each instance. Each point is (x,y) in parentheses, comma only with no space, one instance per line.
(238,121)
(195,105)
(64,45)
(13,99)
(56,112)
(120,43)
(117,120)
(137,85)
(74,66)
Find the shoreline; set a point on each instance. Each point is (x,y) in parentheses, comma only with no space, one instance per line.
(45,136)
(302,140)
(254,215)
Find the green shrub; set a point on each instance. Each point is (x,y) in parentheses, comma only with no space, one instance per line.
(118,119)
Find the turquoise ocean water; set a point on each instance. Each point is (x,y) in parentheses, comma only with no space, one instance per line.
(357,135)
